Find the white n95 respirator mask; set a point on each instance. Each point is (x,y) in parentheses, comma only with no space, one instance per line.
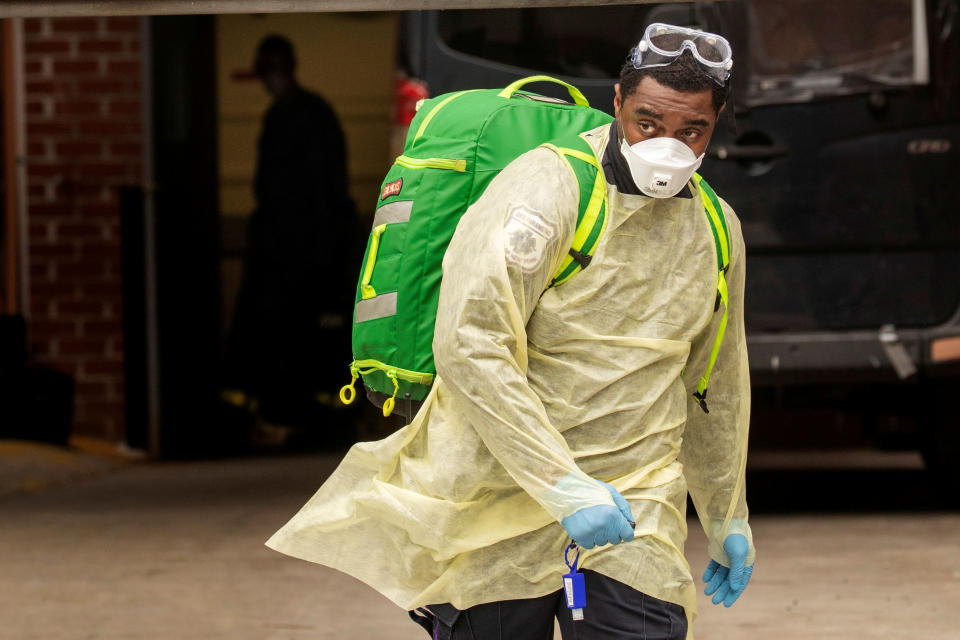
(660,166)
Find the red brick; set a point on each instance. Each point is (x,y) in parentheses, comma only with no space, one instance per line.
(32,67)
(105,411)
(40,351)
(45,86)
(42,330)
(36,108)
(79,230)
(81,274)
(121,24)
(123,67)
(91,389)
(74,25)
(107,292)
(102,328)
(99,210)
(100,46)
(81,346)
(45,170)
(32,25)
(36,149)
(43,251)
(51,210)
(68,67)
(36,191)
(103,367)
(104,170)
(76,192)
(108,85)
(53,290)
(78,149)
(39,231)
(41,47)
(124,107)
(77,107)
(107,127)
(126,149)
(48,128)
(39,271)
(80,307)
(118,389)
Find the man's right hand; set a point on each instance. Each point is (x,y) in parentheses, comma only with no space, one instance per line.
(601,524)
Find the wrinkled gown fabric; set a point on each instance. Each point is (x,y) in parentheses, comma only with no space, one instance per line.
(541,392)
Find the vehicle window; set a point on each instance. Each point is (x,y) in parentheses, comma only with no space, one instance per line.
(585,42)
(803,49)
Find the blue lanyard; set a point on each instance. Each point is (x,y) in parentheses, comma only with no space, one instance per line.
(574,587)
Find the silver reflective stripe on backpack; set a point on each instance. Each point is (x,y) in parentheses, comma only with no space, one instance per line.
(394,212)
(382,306)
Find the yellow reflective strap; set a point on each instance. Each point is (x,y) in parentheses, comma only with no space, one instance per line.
(594,205)
(435,110)
(715,221)
(451,164)
(585,227)
(567,259)
(589,158)
(721,330)
(366,291)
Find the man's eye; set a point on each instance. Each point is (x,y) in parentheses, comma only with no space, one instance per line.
(647,127)
(691,134)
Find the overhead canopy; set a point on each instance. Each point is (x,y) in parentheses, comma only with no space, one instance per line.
(39,8)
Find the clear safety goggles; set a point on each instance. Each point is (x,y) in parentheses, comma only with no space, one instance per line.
(664,43)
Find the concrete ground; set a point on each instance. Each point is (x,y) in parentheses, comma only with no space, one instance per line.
(175,551)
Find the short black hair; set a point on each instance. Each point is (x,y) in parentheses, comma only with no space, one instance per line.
(683,74)
(275,53)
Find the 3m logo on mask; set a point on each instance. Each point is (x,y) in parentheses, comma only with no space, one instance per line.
(660,166)
(659,183)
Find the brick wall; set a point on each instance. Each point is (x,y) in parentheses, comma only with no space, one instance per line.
(83,134)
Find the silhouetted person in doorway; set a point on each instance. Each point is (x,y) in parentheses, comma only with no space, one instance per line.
(289,343)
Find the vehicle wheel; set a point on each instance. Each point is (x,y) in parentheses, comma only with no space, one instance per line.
(940,442)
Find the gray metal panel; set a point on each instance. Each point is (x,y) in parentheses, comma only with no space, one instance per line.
(393,212)
(41,8)
(824,352)
(382,306)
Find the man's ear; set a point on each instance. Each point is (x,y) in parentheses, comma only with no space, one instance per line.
(617,100)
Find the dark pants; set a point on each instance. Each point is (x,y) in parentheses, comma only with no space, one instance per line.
(614,611)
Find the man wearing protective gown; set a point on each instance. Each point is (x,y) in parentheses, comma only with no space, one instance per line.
(546,393)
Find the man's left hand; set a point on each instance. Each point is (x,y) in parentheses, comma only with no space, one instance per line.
(727,583)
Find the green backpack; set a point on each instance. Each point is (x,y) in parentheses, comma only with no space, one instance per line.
(457,143)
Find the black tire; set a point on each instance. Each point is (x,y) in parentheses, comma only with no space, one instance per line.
(940,440)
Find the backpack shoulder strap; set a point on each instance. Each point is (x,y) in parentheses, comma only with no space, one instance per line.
(579,156)
(721,237)
(718,222)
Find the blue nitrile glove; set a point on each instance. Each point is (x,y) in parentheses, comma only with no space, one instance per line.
(726,584)
(601,524)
